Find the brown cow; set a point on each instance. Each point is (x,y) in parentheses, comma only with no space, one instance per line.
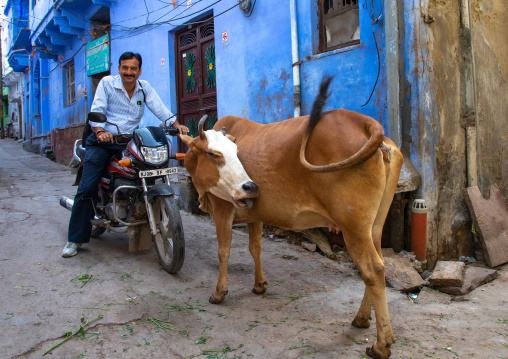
(331,169)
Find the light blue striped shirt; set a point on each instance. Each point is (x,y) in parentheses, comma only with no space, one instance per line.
(112,100)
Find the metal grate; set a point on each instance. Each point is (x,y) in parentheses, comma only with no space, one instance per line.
(207,30)
(339,6)
(188,38)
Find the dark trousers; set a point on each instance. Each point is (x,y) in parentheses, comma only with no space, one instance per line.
(96,159)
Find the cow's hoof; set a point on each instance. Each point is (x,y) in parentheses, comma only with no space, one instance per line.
(360,323)
(260,289)
(214,300)
(373,353)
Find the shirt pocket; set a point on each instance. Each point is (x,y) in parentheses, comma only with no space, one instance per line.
(140,109)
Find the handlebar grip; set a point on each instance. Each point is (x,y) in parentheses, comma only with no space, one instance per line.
(172,131)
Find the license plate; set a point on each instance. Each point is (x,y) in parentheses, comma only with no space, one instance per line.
(159,172)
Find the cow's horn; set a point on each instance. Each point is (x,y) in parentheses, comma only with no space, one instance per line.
(223,130)
(201,125)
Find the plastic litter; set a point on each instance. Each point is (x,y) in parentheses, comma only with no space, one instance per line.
(466,260)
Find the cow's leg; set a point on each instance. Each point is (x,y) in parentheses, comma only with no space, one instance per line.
(255,235)
(370,264)
(392,170)
(363,317)
(223,218)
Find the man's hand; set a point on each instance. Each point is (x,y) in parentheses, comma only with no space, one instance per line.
(105,137)
(184,130)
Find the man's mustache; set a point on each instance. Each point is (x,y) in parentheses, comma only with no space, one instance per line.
(128,75)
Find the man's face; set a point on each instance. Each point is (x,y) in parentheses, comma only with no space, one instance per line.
(129,71)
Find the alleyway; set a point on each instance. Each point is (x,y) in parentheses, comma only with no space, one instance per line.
(140,311)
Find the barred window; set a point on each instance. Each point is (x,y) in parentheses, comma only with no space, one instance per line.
(339,24)
(70,88)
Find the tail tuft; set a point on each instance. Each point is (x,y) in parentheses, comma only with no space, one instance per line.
(319,103)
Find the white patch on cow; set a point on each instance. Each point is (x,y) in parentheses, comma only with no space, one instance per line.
(232,174)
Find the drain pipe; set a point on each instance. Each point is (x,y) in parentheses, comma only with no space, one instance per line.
(469,114)
(295,58)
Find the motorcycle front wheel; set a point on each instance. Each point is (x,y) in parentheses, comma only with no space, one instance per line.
(169,241)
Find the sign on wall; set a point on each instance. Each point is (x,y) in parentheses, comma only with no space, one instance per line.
(97,56)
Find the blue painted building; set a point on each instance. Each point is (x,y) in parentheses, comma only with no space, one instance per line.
(264,60)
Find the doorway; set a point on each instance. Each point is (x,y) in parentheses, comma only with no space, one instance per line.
(196,77)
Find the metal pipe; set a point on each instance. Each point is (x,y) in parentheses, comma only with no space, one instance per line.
(392,71)
(66,202)
(295,58)
(115,215)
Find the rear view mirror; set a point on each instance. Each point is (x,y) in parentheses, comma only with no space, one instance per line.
(97,117)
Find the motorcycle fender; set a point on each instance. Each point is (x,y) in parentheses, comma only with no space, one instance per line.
(79,174)
(159,189)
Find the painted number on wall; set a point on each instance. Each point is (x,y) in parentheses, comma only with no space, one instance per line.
(225,36)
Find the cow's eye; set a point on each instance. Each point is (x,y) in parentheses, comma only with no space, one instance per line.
(211,154)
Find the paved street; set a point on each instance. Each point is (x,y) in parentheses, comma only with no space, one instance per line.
(137,310)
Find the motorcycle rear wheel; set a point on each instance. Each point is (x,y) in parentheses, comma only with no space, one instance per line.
(169,241)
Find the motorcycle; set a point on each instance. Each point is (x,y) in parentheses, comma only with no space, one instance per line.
(135,193)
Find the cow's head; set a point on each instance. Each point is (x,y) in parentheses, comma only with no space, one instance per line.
(213,163)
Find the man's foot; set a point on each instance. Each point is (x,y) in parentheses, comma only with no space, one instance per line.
(71,249)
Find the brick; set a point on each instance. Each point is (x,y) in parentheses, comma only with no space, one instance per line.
(448,274)
(401,275)
(311,247)
(474,277)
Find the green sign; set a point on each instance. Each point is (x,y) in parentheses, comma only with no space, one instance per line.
(97,56)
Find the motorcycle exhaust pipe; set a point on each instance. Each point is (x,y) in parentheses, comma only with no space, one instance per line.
(66,202)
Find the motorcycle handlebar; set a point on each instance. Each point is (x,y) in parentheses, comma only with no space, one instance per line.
(172,131)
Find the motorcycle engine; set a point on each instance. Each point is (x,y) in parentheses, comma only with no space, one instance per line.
(121,209)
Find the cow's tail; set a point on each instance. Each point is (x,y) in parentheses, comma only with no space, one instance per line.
(373,129)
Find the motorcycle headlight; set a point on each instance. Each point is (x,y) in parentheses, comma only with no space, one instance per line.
(155,155)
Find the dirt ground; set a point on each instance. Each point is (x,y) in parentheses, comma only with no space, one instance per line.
(139,311)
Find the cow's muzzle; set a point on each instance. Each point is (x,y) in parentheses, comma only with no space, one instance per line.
(245,199)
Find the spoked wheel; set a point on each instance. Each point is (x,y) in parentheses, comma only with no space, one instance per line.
(169,241)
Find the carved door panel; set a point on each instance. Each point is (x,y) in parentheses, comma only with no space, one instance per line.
(196,81)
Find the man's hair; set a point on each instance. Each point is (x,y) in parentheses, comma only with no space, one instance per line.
(130,55)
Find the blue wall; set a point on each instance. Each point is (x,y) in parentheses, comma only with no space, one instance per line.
(254,68)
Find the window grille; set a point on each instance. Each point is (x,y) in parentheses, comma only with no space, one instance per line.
(339,24)
(188,38)
(207,30)
(70,84)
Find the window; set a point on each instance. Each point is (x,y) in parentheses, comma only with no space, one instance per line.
(339,24)
(70,88)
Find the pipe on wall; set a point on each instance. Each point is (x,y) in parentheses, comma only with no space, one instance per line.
(469,108)
(295,58)
(392,71)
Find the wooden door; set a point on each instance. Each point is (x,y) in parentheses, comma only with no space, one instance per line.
(196,80)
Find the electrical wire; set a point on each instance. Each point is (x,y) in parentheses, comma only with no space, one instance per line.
(375,20)
(148,27)
(252,9)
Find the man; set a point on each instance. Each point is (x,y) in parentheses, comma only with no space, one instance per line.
(122,99)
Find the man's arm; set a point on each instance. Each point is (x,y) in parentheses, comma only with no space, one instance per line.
(155,104)
(99,104)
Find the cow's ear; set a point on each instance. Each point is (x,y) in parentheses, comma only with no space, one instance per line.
(188,141)
(231,138)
